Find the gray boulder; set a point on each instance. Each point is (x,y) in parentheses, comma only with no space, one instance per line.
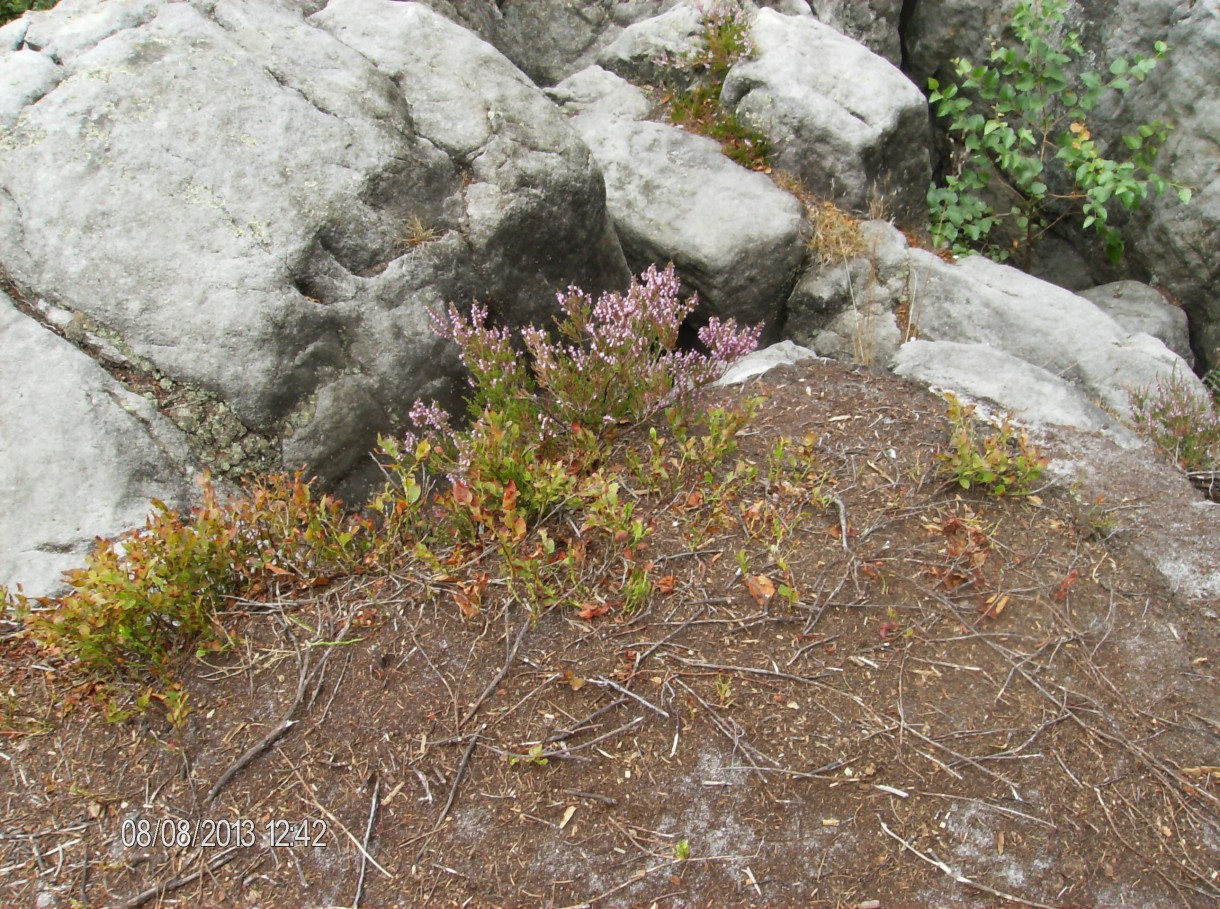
(874,23)
(80,455)
(978,301)
(1033,395)
(844,120)
(1140,308)
(732,234)
(850,310)
(552,39)
(763,361)
(648,51)
(261,208)
(866,308)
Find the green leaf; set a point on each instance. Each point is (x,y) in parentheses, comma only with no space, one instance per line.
(1119,66)
(1184,195)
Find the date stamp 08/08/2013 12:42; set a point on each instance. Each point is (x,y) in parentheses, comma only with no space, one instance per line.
(223,833)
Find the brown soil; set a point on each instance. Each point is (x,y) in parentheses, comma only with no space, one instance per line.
(974,702)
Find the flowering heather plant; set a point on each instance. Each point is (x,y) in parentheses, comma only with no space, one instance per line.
(609,361)
(1182,423)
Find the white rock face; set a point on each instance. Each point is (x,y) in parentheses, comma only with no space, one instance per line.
(673,196)
(1029,393)
(265,207)
(80,455)
(843,119)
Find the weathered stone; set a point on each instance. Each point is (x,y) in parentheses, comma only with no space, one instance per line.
(844,120)
(80,455)
(1140,308)
(673,196)
(846,310)
(1033,395)
(874,23)
(649,51)
(260,206)
(763,361)
(596,90)
(1168,241)
(981,302)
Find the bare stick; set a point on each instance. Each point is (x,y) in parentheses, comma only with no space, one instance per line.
(161,889)
(453,791)
(508,664)
(749,670)
(606,683)
(368,832)
(962,879)
(562,734)
(303,683)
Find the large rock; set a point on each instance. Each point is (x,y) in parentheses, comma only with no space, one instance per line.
(261,208)
(80,455)
(552,39)
(978,301)
(850,308)
(1140,308)
(844,120)
(733,235)
(874,23)
(1031,394)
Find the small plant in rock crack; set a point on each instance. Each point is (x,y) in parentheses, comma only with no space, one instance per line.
(1002,463)
(1181,422)
(724,40)
(1026,159)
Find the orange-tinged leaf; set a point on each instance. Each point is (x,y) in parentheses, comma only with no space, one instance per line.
(695,499)
(462,494)
(1062,592)
(574,681)
(666,584)
(590,611)
(760,588)
(995,605)
(510,496)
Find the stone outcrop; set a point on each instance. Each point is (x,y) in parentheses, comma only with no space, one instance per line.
(978,306)
(844,120)
(732,234)
(265,207)
(80,455)
(223,223)
(1175,244)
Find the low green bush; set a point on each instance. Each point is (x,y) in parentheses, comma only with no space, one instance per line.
(1026,158)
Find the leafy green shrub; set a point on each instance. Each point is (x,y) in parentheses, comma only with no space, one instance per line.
(1028,160)
(1002,463)
(1182,423)
(542,419)
(144,597)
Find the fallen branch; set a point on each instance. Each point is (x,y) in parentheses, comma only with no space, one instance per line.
(161,889)
(961,878)
(368,832)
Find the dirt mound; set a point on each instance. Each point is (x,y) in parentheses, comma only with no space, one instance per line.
(852,686)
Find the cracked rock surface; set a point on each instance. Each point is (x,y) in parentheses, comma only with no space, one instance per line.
(80,455)
(259,207)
